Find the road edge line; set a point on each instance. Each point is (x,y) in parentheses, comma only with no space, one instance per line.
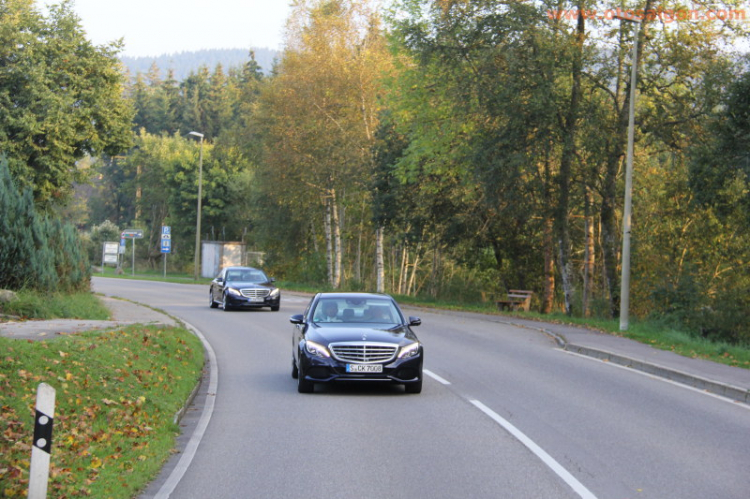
(208,408)
(551,463)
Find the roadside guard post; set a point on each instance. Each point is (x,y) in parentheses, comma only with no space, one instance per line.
(40,451)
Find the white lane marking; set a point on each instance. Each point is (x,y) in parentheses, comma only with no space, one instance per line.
(735,403)
(538,451)
(208,408)
(436,377)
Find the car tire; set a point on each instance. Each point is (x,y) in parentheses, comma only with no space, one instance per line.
(225,305)
(414,387)
(303,385)
(295,371)
(275,308)
(211,302)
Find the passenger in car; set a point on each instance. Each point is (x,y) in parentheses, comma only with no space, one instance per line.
(378,315)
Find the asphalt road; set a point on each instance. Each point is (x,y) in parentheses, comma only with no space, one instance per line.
(506,415)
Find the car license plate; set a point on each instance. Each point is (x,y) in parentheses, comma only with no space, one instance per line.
(364,368)
(257,299)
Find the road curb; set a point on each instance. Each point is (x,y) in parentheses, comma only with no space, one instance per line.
(723,389)
(711,386)
(189,401)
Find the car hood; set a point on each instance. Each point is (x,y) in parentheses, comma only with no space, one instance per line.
(247,284)
(335,333)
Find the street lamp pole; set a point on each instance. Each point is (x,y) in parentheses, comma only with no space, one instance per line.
(200,196)
(628,208)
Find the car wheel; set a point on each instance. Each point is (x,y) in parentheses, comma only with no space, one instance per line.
(295,371)
(211,302)
(414,387)
(303,385)
(275,308)
(224,304)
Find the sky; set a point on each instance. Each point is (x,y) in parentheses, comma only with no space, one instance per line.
(155,27)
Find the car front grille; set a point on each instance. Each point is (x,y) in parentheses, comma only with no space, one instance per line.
(363,352)
(255,293)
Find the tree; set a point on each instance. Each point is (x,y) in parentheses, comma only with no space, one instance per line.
(322,112)
(60,98)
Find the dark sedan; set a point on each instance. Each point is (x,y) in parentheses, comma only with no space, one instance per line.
(355,337)
(243,287)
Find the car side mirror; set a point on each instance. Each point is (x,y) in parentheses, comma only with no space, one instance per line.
(297,319)
(415,321)
(272,279)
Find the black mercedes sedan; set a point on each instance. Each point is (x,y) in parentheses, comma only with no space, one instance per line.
(355,337)
(243,287)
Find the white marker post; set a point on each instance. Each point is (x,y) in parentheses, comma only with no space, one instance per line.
(40,452)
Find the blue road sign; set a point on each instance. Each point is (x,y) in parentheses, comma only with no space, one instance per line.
(166,245)
(166,229)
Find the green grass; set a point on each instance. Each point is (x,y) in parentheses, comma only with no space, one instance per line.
(35,305)
(117,394)
(145,274)
(659,335)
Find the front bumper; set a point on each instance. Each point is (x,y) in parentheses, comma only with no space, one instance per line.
(235,301)
(326,370)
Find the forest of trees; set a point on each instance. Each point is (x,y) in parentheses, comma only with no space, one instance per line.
(457,149)
(184,63)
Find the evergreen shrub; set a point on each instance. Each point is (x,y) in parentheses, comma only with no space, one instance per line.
(36,252)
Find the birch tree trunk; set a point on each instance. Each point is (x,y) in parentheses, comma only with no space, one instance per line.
(337,250)
(379,261)
(589,256)
(403,270)
(329,242)
(434,270)
(358,257)
(415,266)
(549,268)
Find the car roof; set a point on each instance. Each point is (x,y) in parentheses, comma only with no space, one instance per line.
(333,294)
(240,268)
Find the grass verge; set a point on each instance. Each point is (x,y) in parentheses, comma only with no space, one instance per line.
(117,394)
(35,305)
(659,335)
(151,275)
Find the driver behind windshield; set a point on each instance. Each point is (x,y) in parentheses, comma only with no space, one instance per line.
(328,312)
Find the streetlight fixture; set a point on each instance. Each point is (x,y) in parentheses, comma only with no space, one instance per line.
(198,222)
(628,208)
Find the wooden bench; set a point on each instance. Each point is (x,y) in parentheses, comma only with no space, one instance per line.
(518,299)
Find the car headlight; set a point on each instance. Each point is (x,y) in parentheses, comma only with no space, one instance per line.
(410,350)
(317,349)
(274,293)
(234,292)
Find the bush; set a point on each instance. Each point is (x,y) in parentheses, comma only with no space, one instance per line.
(36,252)
(718,314)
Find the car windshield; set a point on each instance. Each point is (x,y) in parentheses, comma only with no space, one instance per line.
(246,275)
(357,310)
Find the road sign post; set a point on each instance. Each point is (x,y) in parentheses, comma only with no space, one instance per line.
(166,244)
(132,234)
